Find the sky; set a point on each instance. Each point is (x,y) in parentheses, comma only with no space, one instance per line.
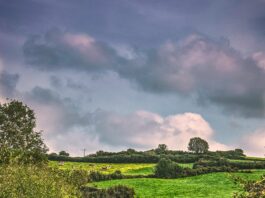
(118,74)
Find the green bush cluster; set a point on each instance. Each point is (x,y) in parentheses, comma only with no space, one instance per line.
(251,189)
(96,176)
(166,168)
(119,191)
(132,158)
(233,164)
(30,181)
(151,156)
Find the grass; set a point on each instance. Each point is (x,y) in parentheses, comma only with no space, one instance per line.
(106,168)
(214,185)
(127,169)
(256,158)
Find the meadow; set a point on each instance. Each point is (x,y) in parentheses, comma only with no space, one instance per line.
(107,168)
(214,185)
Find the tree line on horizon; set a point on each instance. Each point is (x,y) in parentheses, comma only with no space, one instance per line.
(24,161)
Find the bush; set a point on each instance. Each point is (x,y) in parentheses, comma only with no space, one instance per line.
(167,169)
(251,189)
(77,177)
(34,181)
(128,158)
(115,191)
(224,162)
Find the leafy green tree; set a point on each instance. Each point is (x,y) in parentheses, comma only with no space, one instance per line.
(198,145)
(64,153)
(239,151)
(19,142)
(130,151)
(161,149)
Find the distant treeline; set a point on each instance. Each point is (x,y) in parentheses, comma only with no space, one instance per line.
(233,164)
(151,156)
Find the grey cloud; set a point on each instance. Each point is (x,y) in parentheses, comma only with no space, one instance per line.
(58,50)
(56,82)
(44,96)
(8,83)
(66,107)
(209,68)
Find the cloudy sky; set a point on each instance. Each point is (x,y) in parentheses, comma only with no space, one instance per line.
(109,75)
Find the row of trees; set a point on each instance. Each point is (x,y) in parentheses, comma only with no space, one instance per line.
(196,145)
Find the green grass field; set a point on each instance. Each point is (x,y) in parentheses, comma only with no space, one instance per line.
(127,169)
(106,168)
(256,158)
(214,185)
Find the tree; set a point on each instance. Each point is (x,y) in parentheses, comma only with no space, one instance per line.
(166,168)
(18,139)
(198,145)
(161,149)
(239,151)
(130,151)
(64,153)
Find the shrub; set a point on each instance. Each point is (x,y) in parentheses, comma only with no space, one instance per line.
(251,189)
(119,191)
(34,181)
(224,162)
(78,177)
(167,169)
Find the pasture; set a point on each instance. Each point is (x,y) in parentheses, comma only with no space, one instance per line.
(107,168)
(214,185)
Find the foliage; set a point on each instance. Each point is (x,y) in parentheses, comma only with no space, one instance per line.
(64,153)
(198,145)
(128,158)
(77,177)
(161,149)
(98,176)
(167,169)
(118,191)
(251,189)
(19,142)
(29,181)
(244,164)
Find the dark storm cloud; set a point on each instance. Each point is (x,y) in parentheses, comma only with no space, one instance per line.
(44,96)
(198,64)
(60,50)
(8,83)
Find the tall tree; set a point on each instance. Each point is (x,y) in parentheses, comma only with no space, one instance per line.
(198,145)
(18,139)
(161,149)
(64,153)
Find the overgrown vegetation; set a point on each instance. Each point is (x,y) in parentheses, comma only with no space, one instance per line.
(251,189)
(31,181)
(118,191)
